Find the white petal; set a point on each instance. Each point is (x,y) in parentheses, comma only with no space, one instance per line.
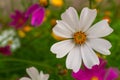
(1,37)
(70,16)
(64,24)
(11,32)
(43,76)
(62,48)
(86,18)
(15,44)
(89,57)
(100,29)
(100,45)
(46,77)
(62,30)
(73,60)
(24,78)
(5,42)
(8,33)
(32,72)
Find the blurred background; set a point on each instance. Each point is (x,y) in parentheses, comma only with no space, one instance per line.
(30,46)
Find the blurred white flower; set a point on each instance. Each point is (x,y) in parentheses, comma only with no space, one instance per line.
(8,37)
(81,39)
(35,75)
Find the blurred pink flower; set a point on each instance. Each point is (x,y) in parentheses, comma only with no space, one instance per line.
(19,19)
(37,13)
(98,72)
(5,50)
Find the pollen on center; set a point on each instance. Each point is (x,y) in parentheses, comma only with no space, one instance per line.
(94,78)
(79,37)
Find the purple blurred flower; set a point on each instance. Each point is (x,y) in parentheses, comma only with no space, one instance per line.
(5,50)
(98,72)
(31,9)
(19,19)
(37,13)
(112,74)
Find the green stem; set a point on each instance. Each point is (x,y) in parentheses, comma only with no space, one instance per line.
(12,5)
(11,69)
(28,62)
(90,4)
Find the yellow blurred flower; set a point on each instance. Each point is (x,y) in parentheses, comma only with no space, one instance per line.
(108,13)
(45,18)
(107,19)
(27,28)
(44,3)
(57,3)
(21,34)
(53,22)
(101,56)
(63,72)
(57,37)
(47,13)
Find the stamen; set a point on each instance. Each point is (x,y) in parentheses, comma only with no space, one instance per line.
(79,37)
(94,78)
(10,42)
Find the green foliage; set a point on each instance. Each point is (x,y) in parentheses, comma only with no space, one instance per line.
(35,48)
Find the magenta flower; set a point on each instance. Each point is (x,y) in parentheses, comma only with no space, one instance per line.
(31,9)
(5,50)
(112,74)
(98,72)
(37,14)
(19,19)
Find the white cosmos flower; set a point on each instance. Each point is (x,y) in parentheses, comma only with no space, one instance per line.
(35,75)
(8,37)
(81,38)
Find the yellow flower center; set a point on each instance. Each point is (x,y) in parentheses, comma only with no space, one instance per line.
(79,37)
(10,42)
(94,78)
